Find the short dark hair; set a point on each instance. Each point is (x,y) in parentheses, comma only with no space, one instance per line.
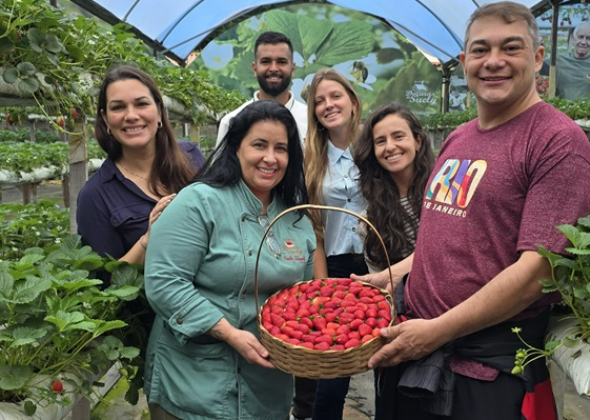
(272,38)
(509,12)
(224,165)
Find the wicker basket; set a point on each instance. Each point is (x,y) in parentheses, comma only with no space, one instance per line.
(315,364)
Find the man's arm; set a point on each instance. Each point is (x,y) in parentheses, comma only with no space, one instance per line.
(506,295)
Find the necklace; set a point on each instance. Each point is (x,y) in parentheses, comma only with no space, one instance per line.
(132,173)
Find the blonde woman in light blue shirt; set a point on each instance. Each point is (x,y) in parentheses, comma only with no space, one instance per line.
(334,111)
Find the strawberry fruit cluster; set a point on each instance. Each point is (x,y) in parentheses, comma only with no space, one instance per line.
(327,314)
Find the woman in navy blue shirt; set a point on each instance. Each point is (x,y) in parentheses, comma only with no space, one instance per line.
(144,170)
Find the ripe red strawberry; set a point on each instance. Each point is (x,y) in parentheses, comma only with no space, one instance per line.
(308,338)
(331,316)
(352,343)
(344,282)
(61,122)
(359,314)
(371,322)
(354,334)
(277,320)
(338,347)
(307,345)
(382,323)
(321,346)
(306,321)
(341,338)
(366,338)
(57,387)
(319,323)
(378,298)
(365,329)
(303,328)
(293,341)
(326,291)
(385,314)
(355,324)
(345,318)
(371,313)
(376,332)
(297,334)
(74,113)
(343,329)
(324,338)
(289,315)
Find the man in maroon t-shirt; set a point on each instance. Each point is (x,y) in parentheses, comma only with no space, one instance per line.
(500,186)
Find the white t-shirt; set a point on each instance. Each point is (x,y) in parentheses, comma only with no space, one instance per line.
(298,110)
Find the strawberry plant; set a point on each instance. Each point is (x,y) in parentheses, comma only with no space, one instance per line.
(571,279)
(59,326)
(327,314)
(31,225)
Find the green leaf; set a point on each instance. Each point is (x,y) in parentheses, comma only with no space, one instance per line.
(26,335)
(29,260)
(551,346)
(6,45)
(108,326)
(129,352)
(89,325)
(387,55)
(578,251)
(124,293)
(53,45)
(570,232)
(30,289)
(36,39)
(10,75)
(584,221)
(14,377)
(30,407)
(79,284)
(6,284)
(581,292)
(26,69)
(63,319)
(75,52)
(348,41)
(127,275)
(28,86)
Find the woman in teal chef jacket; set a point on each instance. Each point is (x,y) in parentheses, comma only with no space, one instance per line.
(204,360)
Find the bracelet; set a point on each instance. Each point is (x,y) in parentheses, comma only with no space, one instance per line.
(142,243)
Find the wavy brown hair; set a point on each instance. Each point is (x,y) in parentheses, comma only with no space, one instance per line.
(381,192)
(171,169)
(316,141)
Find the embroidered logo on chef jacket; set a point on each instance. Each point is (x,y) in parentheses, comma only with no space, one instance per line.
(293,251)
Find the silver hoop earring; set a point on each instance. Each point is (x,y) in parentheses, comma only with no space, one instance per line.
(109,132)
(160,124)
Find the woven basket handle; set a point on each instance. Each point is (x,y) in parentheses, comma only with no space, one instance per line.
(317,207)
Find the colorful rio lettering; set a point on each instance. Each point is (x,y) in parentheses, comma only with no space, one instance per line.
(456,182)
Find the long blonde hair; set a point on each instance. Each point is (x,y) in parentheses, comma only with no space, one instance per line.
(316,142)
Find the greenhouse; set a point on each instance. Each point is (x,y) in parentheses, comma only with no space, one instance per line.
(75,315)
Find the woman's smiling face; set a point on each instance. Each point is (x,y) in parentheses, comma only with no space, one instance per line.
(131,113)
(264,156)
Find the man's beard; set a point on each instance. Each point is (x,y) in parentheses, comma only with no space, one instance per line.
(274,89)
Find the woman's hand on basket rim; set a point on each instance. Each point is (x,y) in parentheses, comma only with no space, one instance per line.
(245,343)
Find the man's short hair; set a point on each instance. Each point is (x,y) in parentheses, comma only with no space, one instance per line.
(273,38)
(509,12)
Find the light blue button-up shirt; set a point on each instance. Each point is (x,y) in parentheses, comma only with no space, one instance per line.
(341,188)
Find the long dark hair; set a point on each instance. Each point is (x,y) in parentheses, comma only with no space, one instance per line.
(224,168)
(384,209)
(171,168)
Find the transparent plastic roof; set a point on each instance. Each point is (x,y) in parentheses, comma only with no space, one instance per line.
(178,27)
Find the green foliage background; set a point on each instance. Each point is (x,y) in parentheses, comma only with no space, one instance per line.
(326,36)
